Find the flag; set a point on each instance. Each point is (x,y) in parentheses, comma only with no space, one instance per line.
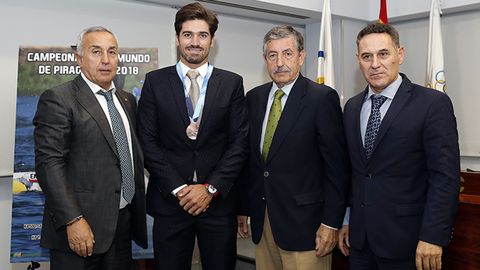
(325,53)
(382,18)
(435,77)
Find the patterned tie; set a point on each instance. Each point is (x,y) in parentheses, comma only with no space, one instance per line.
(273,117)
(121,141)
(373,124)
(194,91)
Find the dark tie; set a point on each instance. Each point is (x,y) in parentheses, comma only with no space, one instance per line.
(121,141)
(373,124)
(273,117)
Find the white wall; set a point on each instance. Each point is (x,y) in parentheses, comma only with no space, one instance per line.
(348,79)
(419,8)
(368,10)
(238,48)
(461,42)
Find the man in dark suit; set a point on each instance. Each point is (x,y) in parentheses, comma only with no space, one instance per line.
(298,163)
(89,164)
(403,145)
(192,126)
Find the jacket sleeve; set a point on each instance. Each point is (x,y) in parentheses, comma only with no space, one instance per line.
(148,131)
(53,128)
(440,140)
(234,157)
(333,148)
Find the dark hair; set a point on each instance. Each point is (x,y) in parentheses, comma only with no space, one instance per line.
(379,28)
(283,31)
(196,11)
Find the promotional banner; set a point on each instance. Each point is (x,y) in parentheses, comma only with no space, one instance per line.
(39,69)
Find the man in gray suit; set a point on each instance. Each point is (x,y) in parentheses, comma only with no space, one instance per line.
(89,163)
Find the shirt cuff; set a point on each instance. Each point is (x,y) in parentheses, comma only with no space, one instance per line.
(74,220)
(175,191)
(346,218)
(331,228)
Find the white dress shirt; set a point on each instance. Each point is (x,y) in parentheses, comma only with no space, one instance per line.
(271,95)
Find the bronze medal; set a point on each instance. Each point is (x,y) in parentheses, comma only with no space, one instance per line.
(192,131)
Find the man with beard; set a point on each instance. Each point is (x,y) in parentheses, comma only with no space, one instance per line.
(192,126)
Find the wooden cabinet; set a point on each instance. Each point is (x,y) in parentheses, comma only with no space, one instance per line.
(464,250)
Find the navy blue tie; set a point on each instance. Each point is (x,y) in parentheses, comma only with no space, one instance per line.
(373,124)
(121,141)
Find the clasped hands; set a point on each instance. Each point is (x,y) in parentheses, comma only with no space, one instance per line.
(194,199)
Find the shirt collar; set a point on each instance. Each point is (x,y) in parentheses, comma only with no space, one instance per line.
(389,91)
(202,70)
(287,88)
(95,87)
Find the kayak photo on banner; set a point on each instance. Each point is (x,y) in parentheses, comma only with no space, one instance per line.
(39,69)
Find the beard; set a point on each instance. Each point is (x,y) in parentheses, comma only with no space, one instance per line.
(194,58)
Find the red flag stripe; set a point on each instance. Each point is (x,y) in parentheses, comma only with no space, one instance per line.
(383,18)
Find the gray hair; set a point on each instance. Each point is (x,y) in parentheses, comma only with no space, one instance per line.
(91,30)
(283,31)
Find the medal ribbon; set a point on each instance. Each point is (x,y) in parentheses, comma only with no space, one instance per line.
(197,113)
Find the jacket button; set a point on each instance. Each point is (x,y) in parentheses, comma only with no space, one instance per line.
(263,198)
(369,176)
(362,204)
(265,174)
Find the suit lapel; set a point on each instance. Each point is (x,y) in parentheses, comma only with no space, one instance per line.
(290,113)
(178,93)
(130,112)
(127,108)
(357,108)
(89,102)
(258,118)
(210,97)
(398,102)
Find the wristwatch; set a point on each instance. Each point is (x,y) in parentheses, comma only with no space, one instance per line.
(212,191)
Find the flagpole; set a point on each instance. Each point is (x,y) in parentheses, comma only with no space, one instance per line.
(325,53)
(435,75)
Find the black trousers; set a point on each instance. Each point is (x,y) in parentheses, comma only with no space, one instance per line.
(117,257)
(365,259)
(174,239)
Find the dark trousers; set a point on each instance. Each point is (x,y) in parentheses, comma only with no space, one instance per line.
(174,239)
(365,259)
(117,257)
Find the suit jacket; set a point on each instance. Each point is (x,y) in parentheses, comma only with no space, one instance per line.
(219,152)
(408,190)
(304,180)
(78,167)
